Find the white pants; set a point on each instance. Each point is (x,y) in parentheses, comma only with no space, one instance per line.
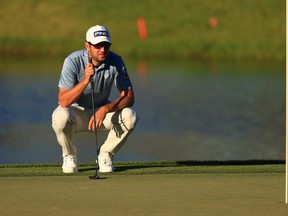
(67,121)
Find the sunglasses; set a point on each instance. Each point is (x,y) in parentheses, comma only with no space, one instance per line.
(100,45)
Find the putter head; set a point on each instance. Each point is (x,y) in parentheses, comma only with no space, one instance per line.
(94,177)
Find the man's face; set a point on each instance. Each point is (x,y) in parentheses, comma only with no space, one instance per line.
(98,52)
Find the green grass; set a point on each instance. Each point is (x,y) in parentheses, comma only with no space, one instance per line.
(176,29)
(167,188)
(156,167)
(167,195)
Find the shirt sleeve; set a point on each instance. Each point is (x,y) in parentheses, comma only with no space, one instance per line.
(68,77)
(123,81)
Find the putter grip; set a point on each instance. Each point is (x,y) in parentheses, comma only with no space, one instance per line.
(91,78)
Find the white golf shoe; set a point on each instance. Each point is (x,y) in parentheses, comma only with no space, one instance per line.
(69,164)
(105,162)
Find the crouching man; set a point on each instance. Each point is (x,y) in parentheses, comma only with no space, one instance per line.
(75,110)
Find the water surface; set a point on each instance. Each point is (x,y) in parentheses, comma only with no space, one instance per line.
(188,111)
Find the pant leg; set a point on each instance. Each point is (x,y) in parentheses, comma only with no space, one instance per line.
(121,124)
(66,122)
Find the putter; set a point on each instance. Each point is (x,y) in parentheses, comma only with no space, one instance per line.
(96,176)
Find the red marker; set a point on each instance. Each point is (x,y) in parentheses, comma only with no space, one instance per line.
(142,28)
(213,22)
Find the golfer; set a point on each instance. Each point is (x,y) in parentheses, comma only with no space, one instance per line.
(75,110)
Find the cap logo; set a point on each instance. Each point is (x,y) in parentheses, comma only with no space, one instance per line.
(100,33)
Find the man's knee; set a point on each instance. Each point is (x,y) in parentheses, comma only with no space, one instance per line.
(129,118)
(60,118)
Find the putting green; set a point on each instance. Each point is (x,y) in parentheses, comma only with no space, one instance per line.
(149,194)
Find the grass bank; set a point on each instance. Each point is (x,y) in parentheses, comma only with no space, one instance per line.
(176,29)
(151,167)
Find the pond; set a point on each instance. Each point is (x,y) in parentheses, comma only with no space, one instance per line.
(189,110)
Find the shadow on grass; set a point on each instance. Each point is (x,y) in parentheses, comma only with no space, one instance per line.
(86,169)
(229,163)
(142,165)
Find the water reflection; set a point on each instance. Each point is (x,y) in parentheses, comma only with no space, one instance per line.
(188,111)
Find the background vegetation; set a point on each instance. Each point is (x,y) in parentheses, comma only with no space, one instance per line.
(176,28)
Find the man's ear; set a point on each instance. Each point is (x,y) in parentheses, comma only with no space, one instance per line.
(87,45)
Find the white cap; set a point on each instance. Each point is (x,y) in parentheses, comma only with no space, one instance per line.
(97,34)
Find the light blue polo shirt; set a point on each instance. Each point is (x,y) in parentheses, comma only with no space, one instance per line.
(112,71)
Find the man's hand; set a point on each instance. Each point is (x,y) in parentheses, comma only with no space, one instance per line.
(89,72)
(126,99)
(100,115)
